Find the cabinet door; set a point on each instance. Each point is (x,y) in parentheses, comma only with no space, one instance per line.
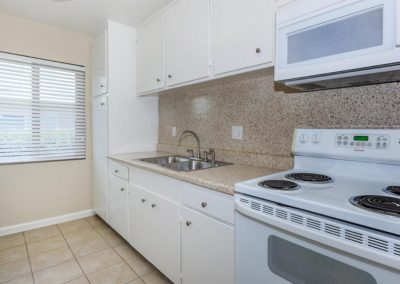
(187,41)
(165,237)
(150,55)
(100,152)
(207,249)
(139,220)
(118,205)
(99,64)
(242,33)
(155,230)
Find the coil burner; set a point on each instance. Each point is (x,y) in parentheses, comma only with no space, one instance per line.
(377,203)
(393,189)
(309,177)
(283,185)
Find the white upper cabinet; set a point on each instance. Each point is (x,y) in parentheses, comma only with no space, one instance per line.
(193,41)
(150,55)
(99,64)
(242,34)
(187,32)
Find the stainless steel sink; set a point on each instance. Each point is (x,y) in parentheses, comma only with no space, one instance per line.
(166,160)
(183,164)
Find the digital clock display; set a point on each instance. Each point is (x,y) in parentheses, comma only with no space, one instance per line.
(361,138)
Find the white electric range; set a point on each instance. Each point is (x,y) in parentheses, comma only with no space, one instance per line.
(333,218)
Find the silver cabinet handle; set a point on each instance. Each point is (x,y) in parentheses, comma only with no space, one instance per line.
(102,104)
(188,223)
(258,50)
(153,205)
(204,204)
(170,76)
(122,189)
(143,200)
(116,171)
(158,80)
(102,86)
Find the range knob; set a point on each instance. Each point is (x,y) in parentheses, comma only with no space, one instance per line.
(303,138)
(316,138)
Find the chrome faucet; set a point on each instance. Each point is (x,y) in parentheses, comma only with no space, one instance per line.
(198,154)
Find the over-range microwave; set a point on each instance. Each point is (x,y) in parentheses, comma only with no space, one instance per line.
(337,43)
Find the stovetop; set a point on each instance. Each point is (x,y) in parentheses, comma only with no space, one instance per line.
(333,199)
(361,187)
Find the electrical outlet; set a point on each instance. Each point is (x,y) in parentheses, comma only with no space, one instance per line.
(173,131)
(237,132)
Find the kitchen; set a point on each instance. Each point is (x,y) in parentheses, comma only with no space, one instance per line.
(194,141)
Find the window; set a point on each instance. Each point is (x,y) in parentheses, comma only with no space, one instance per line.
(42,110)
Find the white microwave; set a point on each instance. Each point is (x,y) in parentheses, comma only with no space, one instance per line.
(337,43)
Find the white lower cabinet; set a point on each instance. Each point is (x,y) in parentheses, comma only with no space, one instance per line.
(207,249)
(182,229)
(118,205)
(155,230)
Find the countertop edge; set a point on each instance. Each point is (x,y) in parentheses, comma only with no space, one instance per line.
(209,183)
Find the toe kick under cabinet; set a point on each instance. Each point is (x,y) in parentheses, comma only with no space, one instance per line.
(185,230)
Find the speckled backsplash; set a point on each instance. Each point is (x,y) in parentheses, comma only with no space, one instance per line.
(269,117)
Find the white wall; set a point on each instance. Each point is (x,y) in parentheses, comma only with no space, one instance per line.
(35,191)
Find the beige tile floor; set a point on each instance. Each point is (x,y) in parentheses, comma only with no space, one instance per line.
(77,252)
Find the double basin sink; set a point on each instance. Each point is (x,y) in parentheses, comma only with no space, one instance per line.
(183,164)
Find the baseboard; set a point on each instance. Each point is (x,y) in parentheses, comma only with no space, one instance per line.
(4,231)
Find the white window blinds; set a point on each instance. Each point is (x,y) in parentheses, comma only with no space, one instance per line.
(42,110)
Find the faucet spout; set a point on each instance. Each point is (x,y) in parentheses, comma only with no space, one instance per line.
(189,132)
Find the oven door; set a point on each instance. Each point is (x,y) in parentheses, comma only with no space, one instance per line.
(268,254)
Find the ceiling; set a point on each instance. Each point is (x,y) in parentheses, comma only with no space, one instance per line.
(86,16)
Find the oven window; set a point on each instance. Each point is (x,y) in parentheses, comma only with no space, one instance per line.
(298,264)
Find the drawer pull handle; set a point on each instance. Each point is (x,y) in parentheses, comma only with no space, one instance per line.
(153,205)
(204,204)
(258,50)
(116,171)
(122,189)
(143,200)
(188,223)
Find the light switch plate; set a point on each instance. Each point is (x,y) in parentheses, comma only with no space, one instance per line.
(173,131)
(237,132)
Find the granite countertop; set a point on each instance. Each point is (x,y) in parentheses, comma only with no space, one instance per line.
(220,179)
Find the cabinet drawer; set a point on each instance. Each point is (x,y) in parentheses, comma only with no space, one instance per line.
(118,170)
(218,205)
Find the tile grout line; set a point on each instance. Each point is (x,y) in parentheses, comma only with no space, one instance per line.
(128,244)
(48,252)
(46,238)
(61,234)
(29,257)
(73,254)
(15,260)
(123,260)
(94,229)
(8,236)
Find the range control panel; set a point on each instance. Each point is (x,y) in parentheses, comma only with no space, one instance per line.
(370,145)
(362,141)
